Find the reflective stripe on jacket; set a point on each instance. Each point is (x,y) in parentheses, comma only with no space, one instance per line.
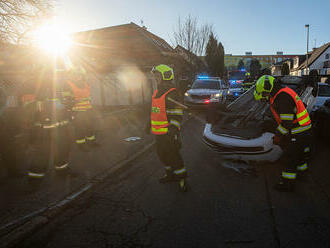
(301,118)
(81,96)
(159,121)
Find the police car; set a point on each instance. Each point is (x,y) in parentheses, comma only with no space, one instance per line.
(205,91)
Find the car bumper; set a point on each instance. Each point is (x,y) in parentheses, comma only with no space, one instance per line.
(199,105)
(258,149)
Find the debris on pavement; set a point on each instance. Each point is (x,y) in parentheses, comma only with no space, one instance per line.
(242,167)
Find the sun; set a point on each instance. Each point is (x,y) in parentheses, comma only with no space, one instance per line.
(52,39)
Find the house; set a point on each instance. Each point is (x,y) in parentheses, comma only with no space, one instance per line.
(318,59)
(276,68)
(121,58)
(297,61)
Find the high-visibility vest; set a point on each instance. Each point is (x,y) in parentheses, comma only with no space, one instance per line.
(301,119)
(81,96)
(159,121)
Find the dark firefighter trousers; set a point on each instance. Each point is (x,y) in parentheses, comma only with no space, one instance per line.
(49,145)
(84,126)
(8,152)
(168,151)
(297,152)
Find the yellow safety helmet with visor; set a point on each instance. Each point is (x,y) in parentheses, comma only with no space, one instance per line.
(165,71)
(264,86)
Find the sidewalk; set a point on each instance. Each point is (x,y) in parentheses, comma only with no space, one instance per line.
(19,199)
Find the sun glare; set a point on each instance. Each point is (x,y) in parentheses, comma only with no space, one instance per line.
(53,39)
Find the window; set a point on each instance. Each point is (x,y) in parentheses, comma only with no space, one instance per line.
(206,84)
(327,56)
(324,90)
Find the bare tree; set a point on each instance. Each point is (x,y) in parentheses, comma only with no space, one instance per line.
(189,34)
(17,17)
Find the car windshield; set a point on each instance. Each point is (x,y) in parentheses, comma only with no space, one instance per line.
(324,90)
(206,84)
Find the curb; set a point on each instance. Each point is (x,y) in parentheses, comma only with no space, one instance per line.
(30,223)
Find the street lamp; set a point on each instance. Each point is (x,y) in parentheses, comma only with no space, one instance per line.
(307,26)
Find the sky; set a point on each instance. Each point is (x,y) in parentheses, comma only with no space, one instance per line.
(262,27)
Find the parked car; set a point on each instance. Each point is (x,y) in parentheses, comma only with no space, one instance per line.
(321,121)
(322,96)
(206,91)
(242,131)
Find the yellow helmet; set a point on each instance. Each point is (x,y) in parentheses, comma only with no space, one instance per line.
(265,84)
(165,71)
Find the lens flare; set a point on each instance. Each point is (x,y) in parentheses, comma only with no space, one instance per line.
(52,39)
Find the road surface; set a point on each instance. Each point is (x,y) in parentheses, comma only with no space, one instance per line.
(224,208)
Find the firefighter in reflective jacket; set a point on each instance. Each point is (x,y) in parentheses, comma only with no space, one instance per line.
(166,118)
(248,82)
(49,138)
(293,131)
(83,115)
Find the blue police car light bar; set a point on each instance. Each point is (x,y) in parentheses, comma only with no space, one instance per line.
(203,77)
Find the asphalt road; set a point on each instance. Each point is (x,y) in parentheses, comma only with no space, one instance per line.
(19,198)
(224,207)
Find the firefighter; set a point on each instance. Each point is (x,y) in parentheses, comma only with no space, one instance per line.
(248,82)
(293,132)
(166,119)
(83,115)
(49,135)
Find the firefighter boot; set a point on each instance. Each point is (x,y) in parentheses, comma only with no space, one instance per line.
(169,176)
(285,185)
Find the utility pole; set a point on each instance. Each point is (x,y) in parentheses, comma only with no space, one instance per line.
(307,26)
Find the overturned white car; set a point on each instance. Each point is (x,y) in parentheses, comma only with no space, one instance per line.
(239,131)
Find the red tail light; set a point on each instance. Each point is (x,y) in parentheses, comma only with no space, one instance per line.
(207,101)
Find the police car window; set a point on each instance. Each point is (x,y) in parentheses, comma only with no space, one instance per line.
(324,90)
(206,84)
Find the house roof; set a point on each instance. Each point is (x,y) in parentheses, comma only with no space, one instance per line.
(314,55)
(122,44)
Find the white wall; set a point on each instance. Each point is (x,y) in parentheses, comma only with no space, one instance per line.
(318,64)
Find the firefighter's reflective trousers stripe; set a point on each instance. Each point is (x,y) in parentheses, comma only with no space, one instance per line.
(84,127)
